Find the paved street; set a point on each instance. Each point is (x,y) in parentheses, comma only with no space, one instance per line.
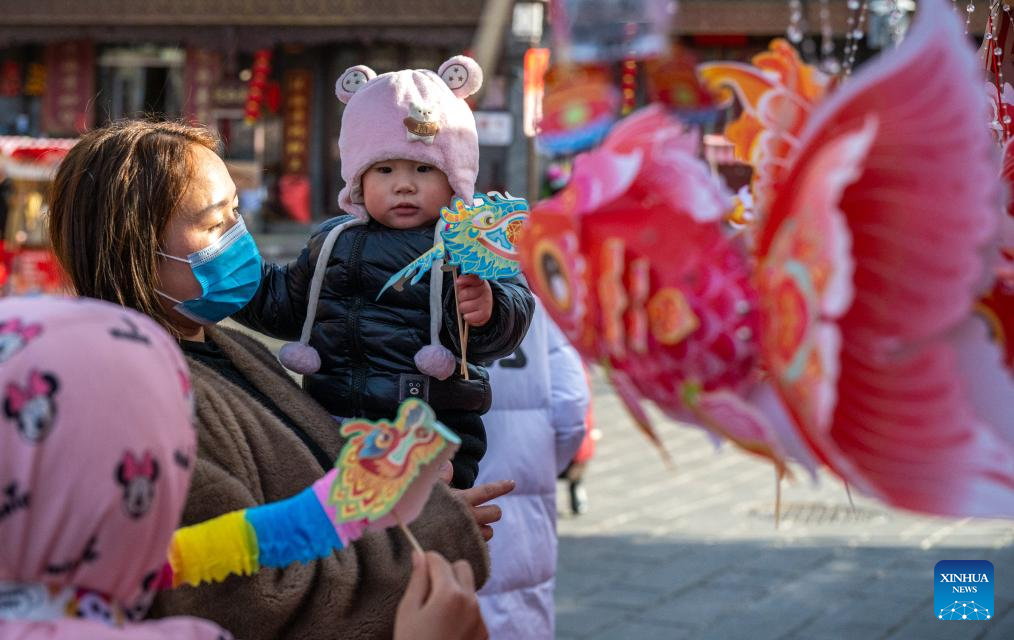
(693,552)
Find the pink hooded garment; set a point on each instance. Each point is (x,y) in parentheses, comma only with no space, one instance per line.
(96,444)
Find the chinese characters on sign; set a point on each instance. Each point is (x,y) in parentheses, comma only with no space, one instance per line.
(67,107)
(297,88)
(294,186)
(201,75)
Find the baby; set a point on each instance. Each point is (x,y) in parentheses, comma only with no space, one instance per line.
(408,146)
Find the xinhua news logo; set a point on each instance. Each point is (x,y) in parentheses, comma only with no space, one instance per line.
(963,590)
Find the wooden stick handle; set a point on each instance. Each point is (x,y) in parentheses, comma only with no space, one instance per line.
(408,534)
(464,353)
(462,326)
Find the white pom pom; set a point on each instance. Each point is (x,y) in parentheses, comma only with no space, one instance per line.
(436,361)
(299,357)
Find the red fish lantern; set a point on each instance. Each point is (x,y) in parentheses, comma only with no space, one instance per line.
(847,334)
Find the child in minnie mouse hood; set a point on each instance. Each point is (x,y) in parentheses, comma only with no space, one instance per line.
(96,444)
(408,146)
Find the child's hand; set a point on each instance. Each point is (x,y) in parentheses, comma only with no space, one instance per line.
(475,299)
(477,497)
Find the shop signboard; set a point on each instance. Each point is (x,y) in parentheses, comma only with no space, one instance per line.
(68,101)
(200,77)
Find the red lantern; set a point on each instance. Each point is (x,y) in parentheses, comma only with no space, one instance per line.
(259,72)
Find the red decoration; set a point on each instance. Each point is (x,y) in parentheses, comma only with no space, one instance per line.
(294,193)
(10,79)
(39,155)
(33,271)
(578,108)
(294,186)
(628,86)
(259,73)
(673,81)
(273,97)
(68,103)
(717,40)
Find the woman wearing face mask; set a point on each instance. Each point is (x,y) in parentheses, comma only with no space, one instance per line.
(145,214)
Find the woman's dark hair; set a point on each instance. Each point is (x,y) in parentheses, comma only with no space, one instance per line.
(111,201)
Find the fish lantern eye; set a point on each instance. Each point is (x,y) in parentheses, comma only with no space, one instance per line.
(552,275)
(423,434)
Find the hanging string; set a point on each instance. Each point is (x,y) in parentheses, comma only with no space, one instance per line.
(999,67)
(853,7)
(829,62)
(994,62)
(795,30)
(855,34)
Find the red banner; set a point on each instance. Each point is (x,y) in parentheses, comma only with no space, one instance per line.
(10,79)
(67,105)
(200,76)
(297,92)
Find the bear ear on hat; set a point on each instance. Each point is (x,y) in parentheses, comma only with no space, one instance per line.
(462,74)
(353,80)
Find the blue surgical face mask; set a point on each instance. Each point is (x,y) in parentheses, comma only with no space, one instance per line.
(229,271)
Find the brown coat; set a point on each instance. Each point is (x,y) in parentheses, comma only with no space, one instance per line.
(247,457)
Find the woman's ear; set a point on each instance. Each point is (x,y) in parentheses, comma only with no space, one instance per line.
(353,80)
(462,75)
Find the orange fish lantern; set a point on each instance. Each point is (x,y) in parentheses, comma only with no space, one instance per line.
(778,94)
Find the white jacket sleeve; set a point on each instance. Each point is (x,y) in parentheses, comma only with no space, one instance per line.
(569,395)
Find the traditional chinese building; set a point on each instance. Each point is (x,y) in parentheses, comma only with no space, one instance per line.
(261,72)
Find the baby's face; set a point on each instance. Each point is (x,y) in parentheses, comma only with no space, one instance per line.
(404,194)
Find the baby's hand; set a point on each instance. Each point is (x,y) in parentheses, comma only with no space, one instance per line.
(475,299)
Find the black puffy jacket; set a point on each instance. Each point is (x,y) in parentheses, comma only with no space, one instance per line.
(366,345)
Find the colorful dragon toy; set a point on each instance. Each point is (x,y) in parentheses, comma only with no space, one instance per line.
(380,460)
(845,334)
(479,239)
(383,477)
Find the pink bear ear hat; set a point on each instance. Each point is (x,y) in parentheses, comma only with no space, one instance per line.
(413,114)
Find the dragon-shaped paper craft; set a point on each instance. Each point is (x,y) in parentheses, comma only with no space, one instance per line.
(478,239)
(380,461)
(383,477)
